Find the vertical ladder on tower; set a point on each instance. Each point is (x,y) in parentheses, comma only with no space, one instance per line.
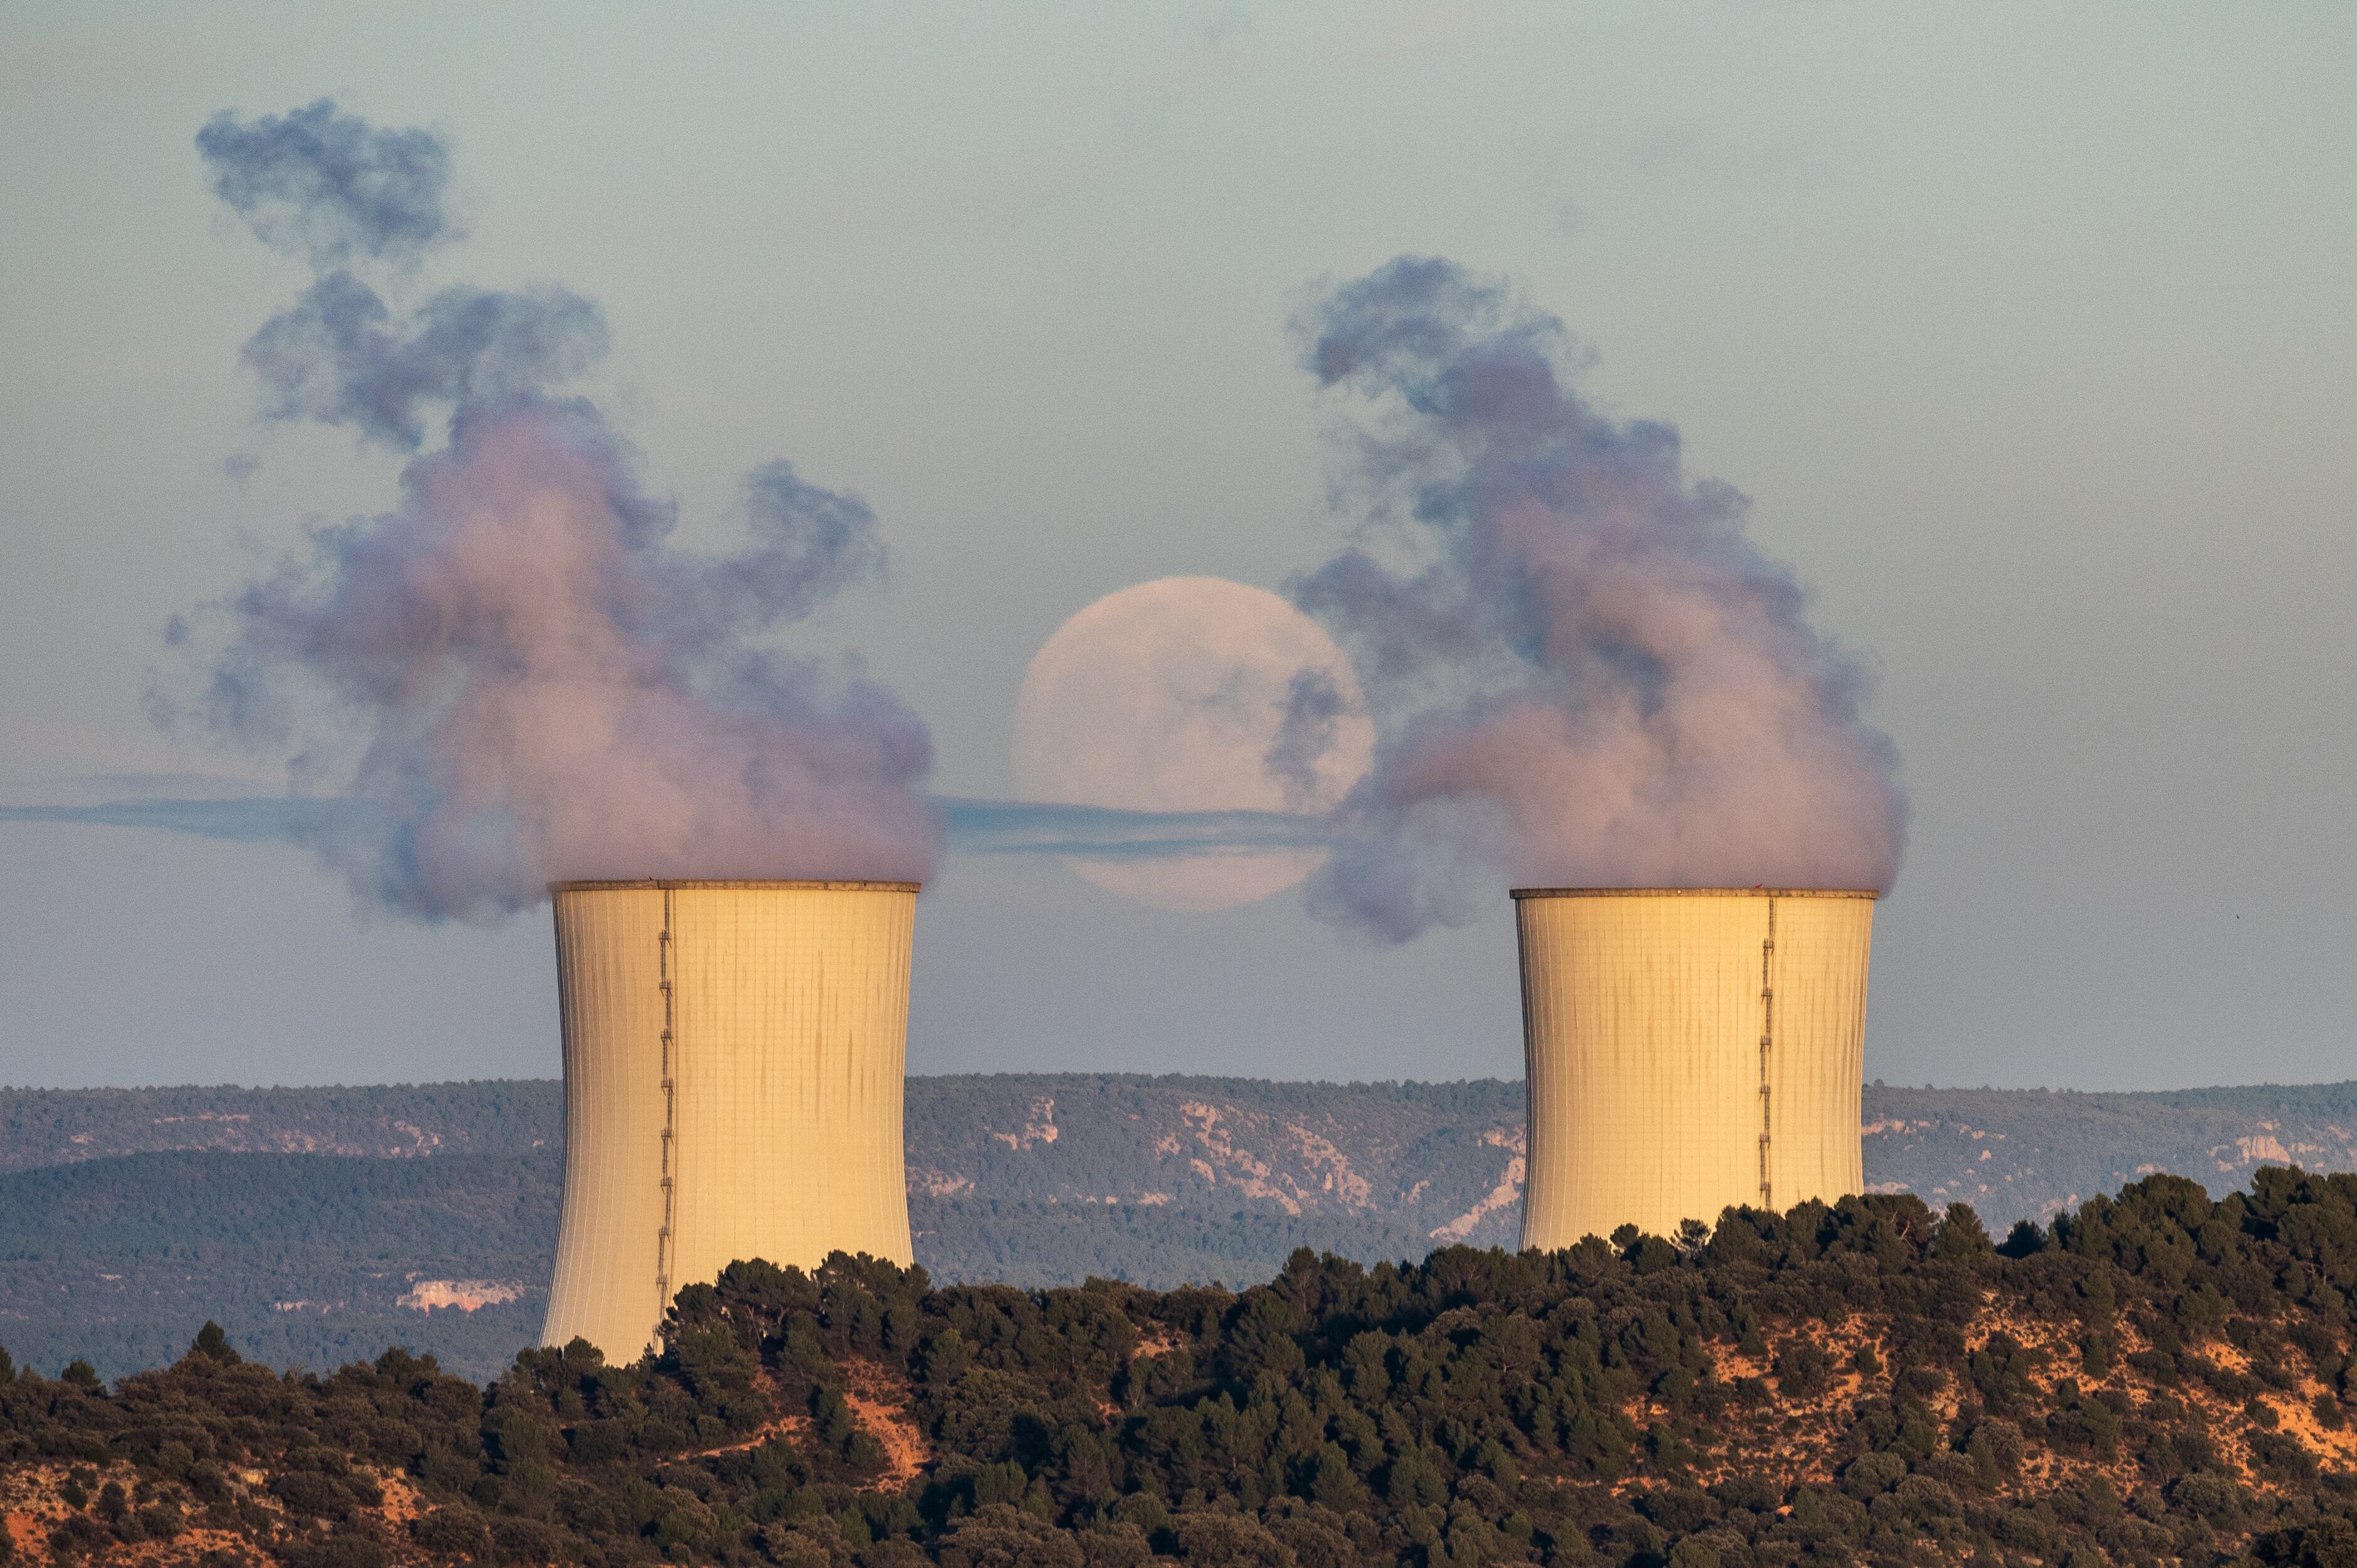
(663,1235)
(1767,1052)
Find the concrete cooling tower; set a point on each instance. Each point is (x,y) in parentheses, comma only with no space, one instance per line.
(734,1061)
(1688,1049)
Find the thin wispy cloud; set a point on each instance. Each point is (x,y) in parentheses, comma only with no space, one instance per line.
(1029,827)
(970,827)
(236,820)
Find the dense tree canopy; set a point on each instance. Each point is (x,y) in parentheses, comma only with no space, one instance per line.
(2154,1377)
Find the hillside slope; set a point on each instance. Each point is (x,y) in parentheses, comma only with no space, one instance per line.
(389,1121)
(129,1212)
(2153,1379)
(1295,1147)
(311,1259)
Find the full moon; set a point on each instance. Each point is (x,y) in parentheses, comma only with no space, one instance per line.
(1192,694)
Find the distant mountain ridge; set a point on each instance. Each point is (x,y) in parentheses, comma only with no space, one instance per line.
(318,1223)
(1293,1147)
(2028,1154)
(59,1126)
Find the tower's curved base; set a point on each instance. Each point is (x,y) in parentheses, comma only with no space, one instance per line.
(734,1059)
(1688,1051)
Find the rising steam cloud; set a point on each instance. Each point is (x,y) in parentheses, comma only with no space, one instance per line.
(523,680)
(352,199)
(1587,674)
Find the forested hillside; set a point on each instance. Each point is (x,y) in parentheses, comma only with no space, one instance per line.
(318,1224)
(2016,1154)
(2156,1379)
(313,1260)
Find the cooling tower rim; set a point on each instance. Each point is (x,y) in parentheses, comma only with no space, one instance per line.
(742,886)
(1867,893)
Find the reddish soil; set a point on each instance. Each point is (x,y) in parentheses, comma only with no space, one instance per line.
(880,1402)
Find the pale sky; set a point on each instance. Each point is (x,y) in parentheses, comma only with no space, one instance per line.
(2028,330)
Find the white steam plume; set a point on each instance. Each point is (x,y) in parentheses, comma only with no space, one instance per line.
(513,677)
(1587,674)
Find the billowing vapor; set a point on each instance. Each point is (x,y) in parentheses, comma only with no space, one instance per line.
(349,198)
(342,356)
(329,187)
(1314,707)
(513,677)
(1587,674)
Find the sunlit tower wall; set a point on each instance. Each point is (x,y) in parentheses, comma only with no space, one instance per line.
(735,1057)
(1688,1050)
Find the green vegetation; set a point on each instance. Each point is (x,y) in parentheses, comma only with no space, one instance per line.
(304,1257)
(301,1219)
(2153,1377)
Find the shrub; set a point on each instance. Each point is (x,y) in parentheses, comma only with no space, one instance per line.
(1872,1475)
(452,1532)
(1228,1541)
(999,1536)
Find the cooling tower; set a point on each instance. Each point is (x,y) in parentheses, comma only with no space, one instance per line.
(734,1058)
(1688,1049)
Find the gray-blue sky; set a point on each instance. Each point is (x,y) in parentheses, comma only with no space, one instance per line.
(2027,333)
